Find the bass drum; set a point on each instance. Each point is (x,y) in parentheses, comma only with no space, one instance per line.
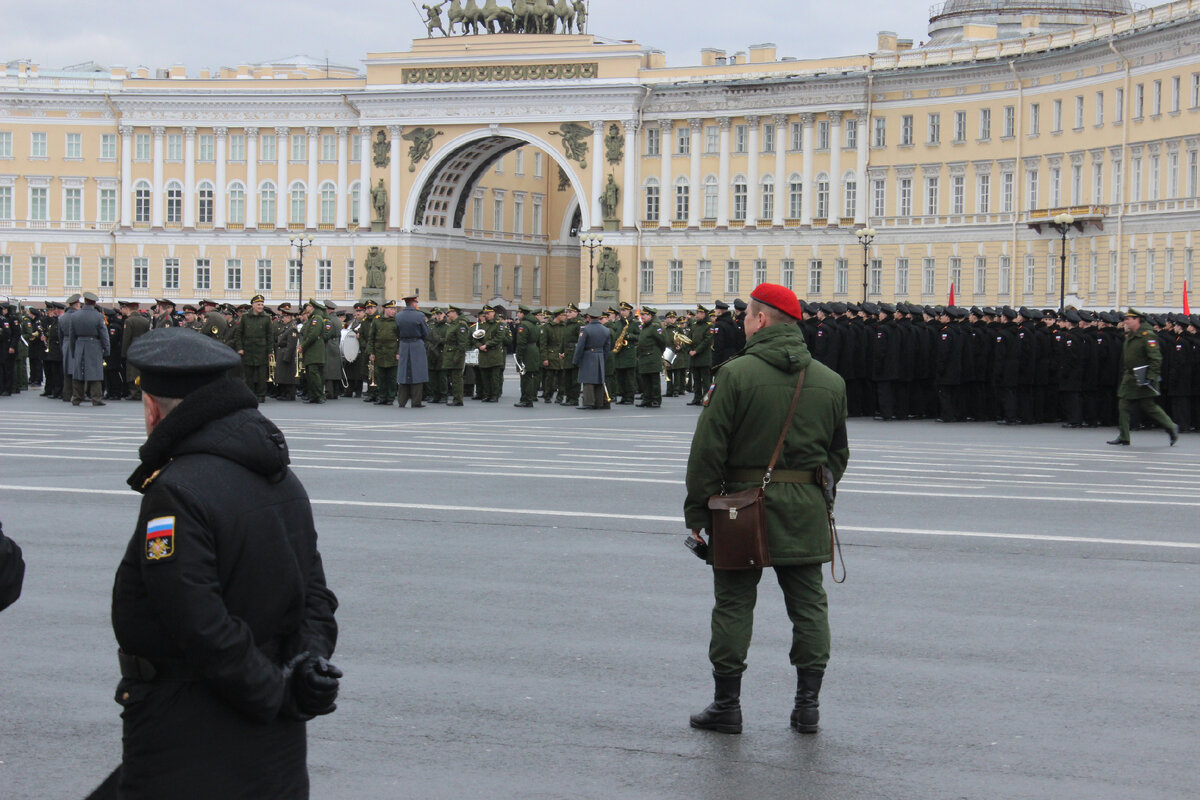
(349,345)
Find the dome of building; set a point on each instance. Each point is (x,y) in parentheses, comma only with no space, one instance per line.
(972,20)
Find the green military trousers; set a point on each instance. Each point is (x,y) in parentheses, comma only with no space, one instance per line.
(736,591)
(1148,407)
(256,378)
(386,378)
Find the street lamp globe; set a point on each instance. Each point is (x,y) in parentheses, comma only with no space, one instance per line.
(865,235)
(1064,219)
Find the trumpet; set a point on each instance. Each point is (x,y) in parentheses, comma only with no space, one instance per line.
(270,367)
(371,376)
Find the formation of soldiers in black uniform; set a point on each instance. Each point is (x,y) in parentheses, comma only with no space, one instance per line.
(899,361)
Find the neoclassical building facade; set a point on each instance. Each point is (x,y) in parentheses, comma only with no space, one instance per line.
(480,165)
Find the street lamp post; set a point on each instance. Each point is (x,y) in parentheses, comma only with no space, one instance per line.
(591,242)
(865,237)
(1062,223)
(300,243)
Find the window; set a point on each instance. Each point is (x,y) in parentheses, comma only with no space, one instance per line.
(1097,182)
(682,200)
(233,274)
(37,145)
(356,148)
(1193,173)
(646,277)
(477,212)
(204,208)
(878,197)
(1169,270)
(1172,174)
(6,205)
(841,276)
(983,200)
(518,214)
(497,278)
(1005,286)
(931,195)
(206,147)
(710,197)
(1118,105)
(267,145)
(328,147)
(108,272)
(1056,116)
(266,204)
(787,272)
(519,162)
(822,198)
(141,147)
(1099,108)
(703,276)
(906,130)
(1175,92)
(652,200)
(653,141)
(1116,182)
(293,274)
(518,281)
(823,135)
(538,160)
(956,273)
(1139,100)
(1030,273)
(141,202)
(171,273)
(477,280)
(1155,177)
(731,277)
(1055,187)
(1133,273)
(985,124)
(901,276)
(108,205)
(768,138)
(1196,90)
(766,193)
(37,270)
(498,213)
(960,126)
(73,205)
(740,136)
(175,147)
(683,141)
(1035,119)
(1150,273)
(1076,184)
(928,276)
(324,275)
(71,272)
(880,139)
(814,277)
(675,276)
(237,204)
(350,275)
(712,138)
(851,133)
(1051,273)
(796,134)
(1135,180)
(203,272)
(174,203)
(298,204)
(906,197)
(299,147)
(876,276)
(980,275)
(958,194)
(328,204)
(935,128)
(760,271)
(538,216)
(237,147)
(1010,122)
(850,198)
(795,197)
(141,273)
(1007,192)
(500,165)
(74,146)
(1078,112)
(1031,183)
(39,204)
(739,198)
(6,151)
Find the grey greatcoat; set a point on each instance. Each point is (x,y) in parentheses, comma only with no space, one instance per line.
(591,352)
(64,337)
(412,329)
(89,344)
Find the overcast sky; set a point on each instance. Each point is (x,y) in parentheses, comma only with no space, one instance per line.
(215,33)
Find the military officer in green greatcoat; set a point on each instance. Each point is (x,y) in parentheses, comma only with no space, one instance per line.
(652,340)
(678,371)
(491,356)
(312,351)
(1141,349)
(701,351)
(735,436)
(212,322)
(286,338)
(435,342)
(456,340)
(370,316)
(383,346)
(574,324)
(624,355)
(553,342)
(253,342)
(528,356)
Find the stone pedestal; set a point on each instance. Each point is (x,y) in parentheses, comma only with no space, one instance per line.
(612,224)
(372,294)
(606,298)
(378,225)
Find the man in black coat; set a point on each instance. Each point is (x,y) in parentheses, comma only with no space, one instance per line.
(220,606)
(725,334)
(12,570)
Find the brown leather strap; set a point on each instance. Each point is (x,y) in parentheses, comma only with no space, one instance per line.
(787,423)
(778,476)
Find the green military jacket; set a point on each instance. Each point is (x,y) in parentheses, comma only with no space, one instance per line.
(1140,349)
(253,337)
(494,335)
(554,338)
(702,343)
(740,424)
(651,341)
(312,341)
(527,350)
(627,358)
(383,341)
(683,359)
(455,343)
(215,325)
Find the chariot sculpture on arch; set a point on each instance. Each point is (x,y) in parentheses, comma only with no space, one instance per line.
(523,16)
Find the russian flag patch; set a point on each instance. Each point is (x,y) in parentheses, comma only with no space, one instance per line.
(160,538)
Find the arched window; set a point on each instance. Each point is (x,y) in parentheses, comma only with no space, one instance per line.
(739,197)
(683,199)
(766,198)
(354,203)
(204,205)
(237,203)
(795,196)
(328,204)
(174,203)
(141,202)
(298,205)
(822,196)
(710,197)
(652,200)
(266,204)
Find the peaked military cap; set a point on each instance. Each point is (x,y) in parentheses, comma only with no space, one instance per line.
(204,301)
(739,304)
(258,298)
(626,306)
(358,305)
(887,308)
(390,304)
(647,310)
(455,309)
(189,309)
(162,301)
(572,307)
(1072,316)
(91,298)
(722,305)
(370,304)
(176,361)
(73,299)
(329,304)
(870,308)
(1133,312)
(285,306)
(701,310)
(413,296)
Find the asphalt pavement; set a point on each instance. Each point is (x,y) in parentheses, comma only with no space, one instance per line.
(520,619)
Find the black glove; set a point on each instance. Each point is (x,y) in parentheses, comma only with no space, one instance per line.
(315,685)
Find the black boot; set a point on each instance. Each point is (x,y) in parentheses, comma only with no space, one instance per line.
(808,686)
(724,715)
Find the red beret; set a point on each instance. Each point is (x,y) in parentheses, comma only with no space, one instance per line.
(778,297)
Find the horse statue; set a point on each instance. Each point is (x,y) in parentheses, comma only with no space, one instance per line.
(494,13)
(472,16)
(580,15)
(543,15)
(565,13)
(455,16)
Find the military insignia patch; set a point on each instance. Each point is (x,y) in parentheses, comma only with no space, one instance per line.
(1151,343)
(708,394)
(160,538)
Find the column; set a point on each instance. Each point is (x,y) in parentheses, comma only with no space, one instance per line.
(251,178)
(597,173)
(666,205)
(394,177)
(752,178)
(723,175)
(221,136)
(695,187)
(364,178)
(282,197)
(835,168)
(189,177)
(343,171)
(781,178)
(312,203)
(126,176)
(629,207)
(156,214)
(806,144)
(863,192)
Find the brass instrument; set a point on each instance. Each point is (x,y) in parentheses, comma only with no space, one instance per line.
(623,338)
(681,339)
(371,375)
(299,353)
(271,367)
(479,332)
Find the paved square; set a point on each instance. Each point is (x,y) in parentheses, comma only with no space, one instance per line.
(519,617)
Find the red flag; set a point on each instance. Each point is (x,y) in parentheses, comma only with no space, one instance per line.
(1187,309)
(952,295)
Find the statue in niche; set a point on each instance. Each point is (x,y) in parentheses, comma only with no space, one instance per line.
(609,199)
(381,147)
(607,270)
(379,200)
(614,144)
(575,146)
(564,182)
(376,268)
(422,145)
